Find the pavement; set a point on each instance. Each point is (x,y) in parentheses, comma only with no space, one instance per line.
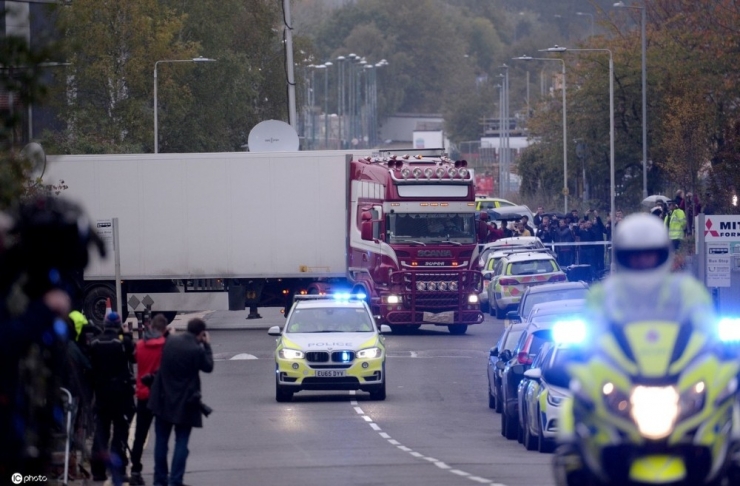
(223,320)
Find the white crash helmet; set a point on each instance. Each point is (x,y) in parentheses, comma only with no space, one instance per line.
(643,250)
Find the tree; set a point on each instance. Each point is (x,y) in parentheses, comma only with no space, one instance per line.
(22,79)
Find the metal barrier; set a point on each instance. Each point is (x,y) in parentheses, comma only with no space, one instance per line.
(596,254)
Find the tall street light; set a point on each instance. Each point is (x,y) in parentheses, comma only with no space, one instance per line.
(504,142)
(156,127)
(565,127)
(327,65)
(644,94)
(592,20)
(340,99)
(612,190)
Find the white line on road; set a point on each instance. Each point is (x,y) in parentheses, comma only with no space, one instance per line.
(417,454)
(375,426)
(384,435)
(366,418)
(243,356)
(394,442)
(442,465)
(413,354)
(459,472)
(359,411)
(404,448)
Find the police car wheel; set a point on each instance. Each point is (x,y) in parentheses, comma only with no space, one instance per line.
(378,393)
(281,394)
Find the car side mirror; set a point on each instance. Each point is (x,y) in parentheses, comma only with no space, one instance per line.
(500,364)
(488,276)
(493,352)
(534,373)
(274,331)
(385,329)
(505,355)
(513,316)
(556,376)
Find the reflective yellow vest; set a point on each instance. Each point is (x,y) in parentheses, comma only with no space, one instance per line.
(676,224)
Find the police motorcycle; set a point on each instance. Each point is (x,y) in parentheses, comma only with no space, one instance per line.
(652,403)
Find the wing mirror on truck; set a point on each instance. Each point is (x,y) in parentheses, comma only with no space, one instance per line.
(367,226)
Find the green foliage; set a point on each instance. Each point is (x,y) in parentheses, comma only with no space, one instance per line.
(21,77)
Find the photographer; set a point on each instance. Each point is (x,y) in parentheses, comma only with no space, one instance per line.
(111,355)
(148,357)
(175,398)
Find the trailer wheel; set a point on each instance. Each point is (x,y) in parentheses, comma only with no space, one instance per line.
(458,329)
(93,305)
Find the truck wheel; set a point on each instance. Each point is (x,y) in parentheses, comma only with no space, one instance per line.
(93,305)
(458,329)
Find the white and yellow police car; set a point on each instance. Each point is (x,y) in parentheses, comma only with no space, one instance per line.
(329,342)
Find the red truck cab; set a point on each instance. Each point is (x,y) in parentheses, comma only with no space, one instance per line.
(412,244)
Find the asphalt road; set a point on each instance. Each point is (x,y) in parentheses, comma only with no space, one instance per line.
(435,427)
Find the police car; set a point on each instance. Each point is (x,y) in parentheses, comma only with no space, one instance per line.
(329,342)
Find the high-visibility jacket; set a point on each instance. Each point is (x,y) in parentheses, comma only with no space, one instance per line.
(676,223)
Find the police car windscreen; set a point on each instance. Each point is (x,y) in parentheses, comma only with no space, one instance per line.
(330,319)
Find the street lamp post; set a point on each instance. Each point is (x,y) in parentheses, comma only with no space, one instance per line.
(644,93)
(565,126)
(327,65)
(504,132)
(591,16)
(612,190)
(340,99)
(156,128)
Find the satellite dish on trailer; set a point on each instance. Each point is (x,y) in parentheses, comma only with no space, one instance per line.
(273,136)
(34,153)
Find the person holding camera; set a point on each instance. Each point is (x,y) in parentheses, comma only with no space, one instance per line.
(175,398)
(148,357)
(111,356)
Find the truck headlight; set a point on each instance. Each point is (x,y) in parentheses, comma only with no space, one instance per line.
(654,410)
(472,299)
(393,299)
(287,353)
(369,353)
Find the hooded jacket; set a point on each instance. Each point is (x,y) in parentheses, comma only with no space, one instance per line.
(148,358)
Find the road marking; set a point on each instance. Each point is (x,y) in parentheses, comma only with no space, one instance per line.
(413,354)
(243,356)
(419,455)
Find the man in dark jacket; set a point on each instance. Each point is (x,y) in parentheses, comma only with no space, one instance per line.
(175,398)
(111,355)
(564,234)
(148,357)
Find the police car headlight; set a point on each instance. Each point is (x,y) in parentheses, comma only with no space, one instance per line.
(472,299)
(287,353)
(554,399)
(369,353)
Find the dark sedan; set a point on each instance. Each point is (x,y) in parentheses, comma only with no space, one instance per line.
(501,352)
(553,292)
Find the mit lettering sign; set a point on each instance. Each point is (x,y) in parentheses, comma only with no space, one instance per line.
(722,228)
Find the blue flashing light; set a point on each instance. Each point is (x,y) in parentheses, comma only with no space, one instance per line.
(345,357)
(346,296)
(571,331)
(729,329)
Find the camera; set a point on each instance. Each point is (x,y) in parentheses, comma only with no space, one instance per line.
(205,409)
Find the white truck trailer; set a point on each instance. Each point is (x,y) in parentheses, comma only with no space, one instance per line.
(193,226)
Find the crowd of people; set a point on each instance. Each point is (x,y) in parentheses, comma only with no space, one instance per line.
(114,379)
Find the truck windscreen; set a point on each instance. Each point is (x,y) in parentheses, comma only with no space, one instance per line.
(431,227)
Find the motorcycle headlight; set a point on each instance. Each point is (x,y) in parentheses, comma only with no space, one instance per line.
(692,400)
(369,353)
(654,410)
(287,353)
(616,400)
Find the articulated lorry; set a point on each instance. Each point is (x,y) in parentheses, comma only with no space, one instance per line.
(212,231)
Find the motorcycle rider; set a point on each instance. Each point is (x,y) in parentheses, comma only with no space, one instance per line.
(643,286)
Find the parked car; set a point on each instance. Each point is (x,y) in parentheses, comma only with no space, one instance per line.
(535,335)
(556,309)
(484,202)
(491,258)
(539,402)
(501,352)
(514,273)
(547,293)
